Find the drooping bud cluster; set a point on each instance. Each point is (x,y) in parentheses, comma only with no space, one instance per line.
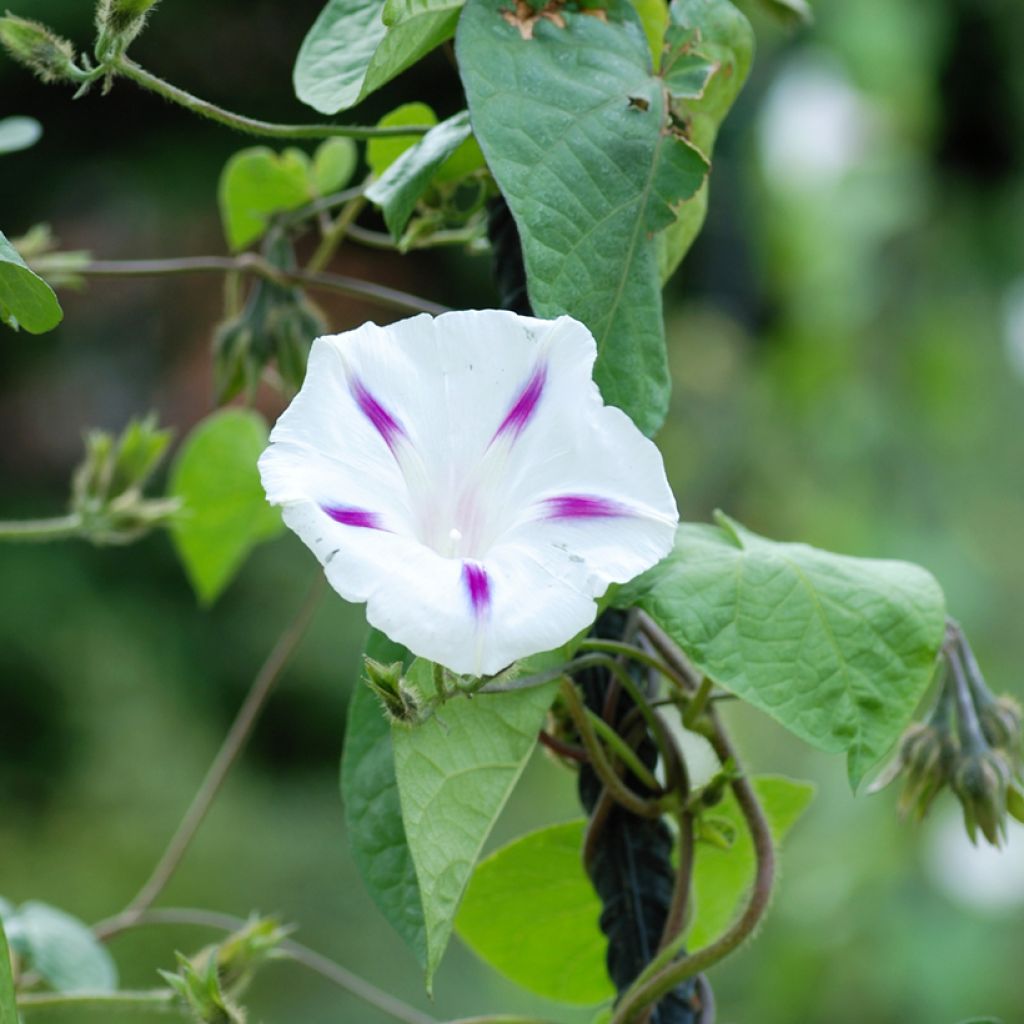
(970,742)
(43,52)
(277,323)
(107,487)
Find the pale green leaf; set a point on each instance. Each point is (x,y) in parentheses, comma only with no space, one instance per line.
(717,32)
(584,96)
(225,511)
(19,133)
(455,772)
(373,812)
(355,46)
(654,18)
(61,949)
(334,163)
(8,1005)
(255,184)
(531,913)
(721,878)
(26,300)
(398,190)
(839,650)
(382,153)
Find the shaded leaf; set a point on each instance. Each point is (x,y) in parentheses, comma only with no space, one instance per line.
(398,190)
(554,96)
(355,46)
(455,772)
(26,300)
(373,812)
(225,511)
(334,163)
(19,133)
(839,650)
(382,153)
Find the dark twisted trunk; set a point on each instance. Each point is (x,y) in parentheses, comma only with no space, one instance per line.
(629,858)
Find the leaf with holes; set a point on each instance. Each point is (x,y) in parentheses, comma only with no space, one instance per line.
(839,650)
(455,772)
(578,132)
(373,812)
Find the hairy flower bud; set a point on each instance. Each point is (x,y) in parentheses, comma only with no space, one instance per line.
(927,754)
(981,780)
(1001,724)
(118,23)
(398,699)
(48,56)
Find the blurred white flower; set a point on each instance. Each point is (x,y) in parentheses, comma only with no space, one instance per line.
(814,126)
(1013,326)
(980,877)
(463,477)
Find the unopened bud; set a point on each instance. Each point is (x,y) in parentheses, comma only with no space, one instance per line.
(398,699)
(981,780)
(243,952)
(927,754)
(47,55)
(1001,724)
(119,22)
(197,987)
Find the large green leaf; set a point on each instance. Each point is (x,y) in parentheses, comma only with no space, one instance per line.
(8,1005)
(373,812)
(224,509)
(26,300)
(532,914)
(716,31)
(721,878)
(577,131)
(355,46)
(399,188)
(19,133)
(455,772)
(61,949)
(839,650)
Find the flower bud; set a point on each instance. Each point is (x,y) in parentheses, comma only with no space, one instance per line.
(981,780)
(927,754)
(197,987)
(48,56)
(118,23)
(1001,724)
(398,699)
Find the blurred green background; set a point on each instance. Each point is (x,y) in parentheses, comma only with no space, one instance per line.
(847,342)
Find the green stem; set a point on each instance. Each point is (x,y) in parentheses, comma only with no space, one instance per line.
(156,1001)
(252,126)
(623,751)
(251,263)
(58,528)
(335,234)
(634,653)
(696,706)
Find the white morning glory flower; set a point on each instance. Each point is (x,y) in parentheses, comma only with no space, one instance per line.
(463,477)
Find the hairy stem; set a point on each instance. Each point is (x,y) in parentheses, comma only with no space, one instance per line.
(301,954)
(51,1004)
(252,126)
(58,528)
(232,746)
(251,263)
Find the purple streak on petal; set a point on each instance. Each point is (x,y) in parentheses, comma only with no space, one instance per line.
(348,516)
(385,424)
(525,405)
(583,506)
(478,586)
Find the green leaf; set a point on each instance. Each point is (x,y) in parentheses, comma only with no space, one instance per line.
(8,1005)
(455,772)
(26,300)
(572,97)
(382,153)
(398,190)
(61,949)
(255,184)
(721,878)
(790,12)
(225,511)
(334,163)
(355,46)
(373,812)
(839,650)
(531,913)
(19,133)
(717,32)
(653,16)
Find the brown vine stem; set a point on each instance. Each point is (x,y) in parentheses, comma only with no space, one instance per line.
(251,263)
(309,958)
(665,971)
(230,749)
